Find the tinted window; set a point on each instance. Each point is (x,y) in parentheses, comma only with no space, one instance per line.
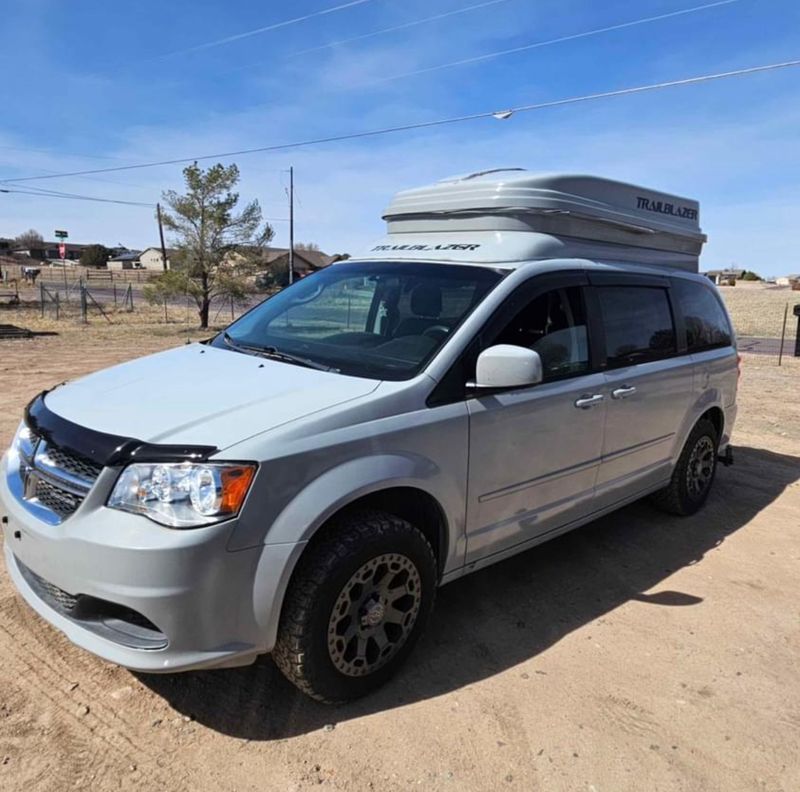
(638,324)
(382,320)
(554,325)
(706,323)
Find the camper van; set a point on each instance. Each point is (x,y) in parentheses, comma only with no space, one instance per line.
(519,355)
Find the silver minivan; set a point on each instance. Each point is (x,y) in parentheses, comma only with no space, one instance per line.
(518,356)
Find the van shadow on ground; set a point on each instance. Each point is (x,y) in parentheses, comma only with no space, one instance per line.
(508,613)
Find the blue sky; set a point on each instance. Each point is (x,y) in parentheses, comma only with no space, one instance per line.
(96,84)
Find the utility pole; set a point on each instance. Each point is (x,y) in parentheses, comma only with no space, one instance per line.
(161,234)
(291,225)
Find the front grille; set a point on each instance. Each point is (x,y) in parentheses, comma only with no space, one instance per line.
(53,497)
(55,597)
(74,464)
(115,622)
(55,481)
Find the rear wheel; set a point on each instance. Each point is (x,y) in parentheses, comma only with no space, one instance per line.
(355,607)
(694,473)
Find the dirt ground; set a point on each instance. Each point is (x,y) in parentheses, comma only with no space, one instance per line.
(642,652)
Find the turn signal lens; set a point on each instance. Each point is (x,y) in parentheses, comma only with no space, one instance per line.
(235,485)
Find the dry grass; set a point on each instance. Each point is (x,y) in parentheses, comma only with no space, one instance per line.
(145,320)
(757,308)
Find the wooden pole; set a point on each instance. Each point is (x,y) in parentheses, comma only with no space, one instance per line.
(161,235)
(783,332)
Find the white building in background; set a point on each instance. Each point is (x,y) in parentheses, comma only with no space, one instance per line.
(152,259)
(725,277)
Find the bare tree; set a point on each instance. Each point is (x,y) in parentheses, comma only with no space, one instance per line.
(217,249)
(29,240)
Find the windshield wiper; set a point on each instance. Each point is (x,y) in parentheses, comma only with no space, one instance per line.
(275,354)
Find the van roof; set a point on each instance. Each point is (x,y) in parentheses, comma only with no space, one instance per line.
(503,216)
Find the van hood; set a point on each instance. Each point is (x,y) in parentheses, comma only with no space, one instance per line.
(201,395)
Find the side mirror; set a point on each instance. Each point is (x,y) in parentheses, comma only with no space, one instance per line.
(507,366)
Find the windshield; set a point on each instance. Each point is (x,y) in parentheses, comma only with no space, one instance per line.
(382,320)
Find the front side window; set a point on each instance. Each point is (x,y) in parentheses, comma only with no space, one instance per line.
(706,324)
(381,320)
(554,325)
(638,324)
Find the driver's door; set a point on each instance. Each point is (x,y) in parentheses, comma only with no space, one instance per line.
(535,452)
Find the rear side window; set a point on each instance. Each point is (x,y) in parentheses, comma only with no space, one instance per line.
(638,324)
(706,324)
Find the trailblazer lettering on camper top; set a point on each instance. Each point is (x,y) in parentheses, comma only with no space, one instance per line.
(664,207)
(452,246)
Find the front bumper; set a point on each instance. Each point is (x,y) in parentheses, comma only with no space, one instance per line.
(211,607)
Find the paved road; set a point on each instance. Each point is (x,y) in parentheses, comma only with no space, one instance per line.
(765,346)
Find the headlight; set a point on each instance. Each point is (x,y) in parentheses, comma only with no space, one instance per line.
(183,494)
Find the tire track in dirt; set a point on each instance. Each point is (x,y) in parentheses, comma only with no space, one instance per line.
(94,744)
(629,716)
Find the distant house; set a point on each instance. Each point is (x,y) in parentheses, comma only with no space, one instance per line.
(787,280)
(725,277)
(126,260)
(305,261)
(49,251)
(152,259)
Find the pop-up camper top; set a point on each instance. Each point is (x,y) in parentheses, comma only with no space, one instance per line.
(508,216)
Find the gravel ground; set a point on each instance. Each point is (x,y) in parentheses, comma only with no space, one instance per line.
(641,652)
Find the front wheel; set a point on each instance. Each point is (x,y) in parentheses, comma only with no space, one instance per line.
(694,473)
(355,606)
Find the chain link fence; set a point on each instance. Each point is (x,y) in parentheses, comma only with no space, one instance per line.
(81,294)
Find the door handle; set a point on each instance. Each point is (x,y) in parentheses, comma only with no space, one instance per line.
(623,392)
(586,401)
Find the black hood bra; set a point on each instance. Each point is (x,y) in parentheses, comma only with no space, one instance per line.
(101,448)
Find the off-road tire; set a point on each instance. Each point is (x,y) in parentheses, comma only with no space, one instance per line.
(302,650)
(678,497)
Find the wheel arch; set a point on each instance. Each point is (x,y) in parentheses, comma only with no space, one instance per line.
(410,503)
(395,484)
(708,406)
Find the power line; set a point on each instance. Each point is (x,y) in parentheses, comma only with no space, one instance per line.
(39,193)
(550,42)
(60,193)
(74,197)
(265,29)
(496,113)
